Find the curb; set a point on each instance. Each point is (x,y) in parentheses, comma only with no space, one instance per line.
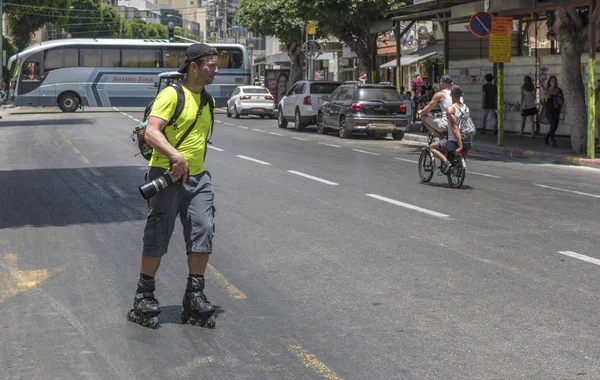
(521,153)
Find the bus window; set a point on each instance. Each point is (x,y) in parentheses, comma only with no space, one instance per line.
(173,58)
(140,58)
(59,58)
(96,57)
(31,73)
(230,58)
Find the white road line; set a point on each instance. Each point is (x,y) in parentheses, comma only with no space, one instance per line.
(409,206)
(312,177)
(137,120)
(298,138)
(240,126)
(333,145)
(129,116)
(576,255)
(118,191)
(276,134)
(568,191)
(227,123)
(253,160)
(256,129)
(217,121)
(96,172)
(215,148)
(367,152)
(83,172)
(484,175)
(406,159)
(115,108)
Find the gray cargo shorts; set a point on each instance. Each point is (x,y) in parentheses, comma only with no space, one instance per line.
(193,202)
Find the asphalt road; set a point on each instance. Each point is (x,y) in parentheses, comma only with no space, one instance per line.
(331,260)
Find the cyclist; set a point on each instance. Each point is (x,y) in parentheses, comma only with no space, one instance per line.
(434,123)
(454,141)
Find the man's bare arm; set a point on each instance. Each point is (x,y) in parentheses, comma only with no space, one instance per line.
(437,98)
(159,142)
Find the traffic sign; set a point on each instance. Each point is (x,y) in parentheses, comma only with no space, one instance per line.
(502,25)
(481,24)
(312,27)
(499,49)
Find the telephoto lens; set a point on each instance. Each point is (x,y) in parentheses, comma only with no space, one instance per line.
(151,188)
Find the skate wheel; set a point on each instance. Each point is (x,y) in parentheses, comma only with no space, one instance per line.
(184,318)
(211,322)
(152,322)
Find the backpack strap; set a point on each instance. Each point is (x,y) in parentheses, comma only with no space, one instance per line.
(180,103)
(211,105)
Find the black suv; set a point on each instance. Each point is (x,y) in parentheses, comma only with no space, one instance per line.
(372,108)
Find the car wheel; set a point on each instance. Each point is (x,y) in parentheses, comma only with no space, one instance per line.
(228,112)
(344,133)
(398,135)
(298,121)
(68,102)
(281,122)
(320,126)
(236,114)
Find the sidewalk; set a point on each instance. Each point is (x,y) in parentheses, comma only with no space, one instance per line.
(521,147)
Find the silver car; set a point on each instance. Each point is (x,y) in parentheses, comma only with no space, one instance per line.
(251,100)
(302,101)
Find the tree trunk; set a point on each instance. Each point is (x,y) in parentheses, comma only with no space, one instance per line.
(569,32)
(297,60)
(366,50)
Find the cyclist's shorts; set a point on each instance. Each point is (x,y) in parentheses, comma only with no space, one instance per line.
(446,145)
(437,122)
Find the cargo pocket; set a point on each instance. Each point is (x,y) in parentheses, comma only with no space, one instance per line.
(155,230)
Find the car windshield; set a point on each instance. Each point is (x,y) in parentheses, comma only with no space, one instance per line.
(256,91)
(323,88)
(374,93)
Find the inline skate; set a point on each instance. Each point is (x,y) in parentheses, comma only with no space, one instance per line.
(196,308)
(145,307)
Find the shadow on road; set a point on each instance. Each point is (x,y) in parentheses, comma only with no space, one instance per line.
(44,122)
(172,314)
(71,196)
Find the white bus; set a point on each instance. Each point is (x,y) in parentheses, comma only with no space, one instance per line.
(111,72)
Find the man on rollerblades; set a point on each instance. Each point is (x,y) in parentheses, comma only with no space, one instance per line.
(191,196)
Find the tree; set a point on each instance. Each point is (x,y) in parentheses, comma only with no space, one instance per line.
(92,19)
(350,20)
(27,16)
(277,18)
(571,29)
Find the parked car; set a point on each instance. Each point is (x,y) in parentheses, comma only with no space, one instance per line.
(372,108)
(251,100)
(301,103)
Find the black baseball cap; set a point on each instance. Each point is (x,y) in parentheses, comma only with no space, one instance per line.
(194,52)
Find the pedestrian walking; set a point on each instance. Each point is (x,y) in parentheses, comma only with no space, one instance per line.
(191,196)
(528,109)
(489,103)
(554,100)
(408,103)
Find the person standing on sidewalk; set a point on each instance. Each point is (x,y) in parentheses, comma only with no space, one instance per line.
(554,100)
(408,103)
(528,109)
(489,99)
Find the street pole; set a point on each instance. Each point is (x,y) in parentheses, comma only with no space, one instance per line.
(591,133)
(1,45)
(500,104)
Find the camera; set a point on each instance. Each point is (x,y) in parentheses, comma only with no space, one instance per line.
(151,188)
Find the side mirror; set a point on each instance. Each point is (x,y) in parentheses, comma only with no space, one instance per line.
(325,97)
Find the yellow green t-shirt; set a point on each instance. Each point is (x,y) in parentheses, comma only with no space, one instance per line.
(192,147)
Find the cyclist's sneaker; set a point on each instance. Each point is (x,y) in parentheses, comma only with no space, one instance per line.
(446,167)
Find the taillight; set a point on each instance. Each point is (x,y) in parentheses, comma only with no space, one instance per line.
(356,107)
(269,98)
(306,101)
(245,97)
(402,108)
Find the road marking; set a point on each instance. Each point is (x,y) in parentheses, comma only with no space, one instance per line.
(568,191)
(115,108)
(576,255)
(118,191)
(14,281)
(83,172)
(227,123)
(407,160)
(253,160)
(75,150)
(310,361)
(298,138)
(84,160)
(231,289)
(240,126)
(215,148)
(129,116)
(409,206)
(276,134)
(136,120)
(68,142)
(217,121)
(257,130)
(333,145)
(367,152)
(485,175)
(96,172)
(312,177)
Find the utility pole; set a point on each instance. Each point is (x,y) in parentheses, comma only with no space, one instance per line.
(1,44)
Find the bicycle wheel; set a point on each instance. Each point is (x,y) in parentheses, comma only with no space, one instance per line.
(426,165)
(456,177)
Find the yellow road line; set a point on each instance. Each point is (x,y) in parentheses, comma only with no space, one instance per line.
(84,160)
(75,150)
(310,361)
(68,142)
(231,289)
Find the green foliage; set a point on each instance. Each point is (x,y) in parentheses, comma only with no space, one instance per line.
(92,19)
(27,16)
(11,50)
(278,18)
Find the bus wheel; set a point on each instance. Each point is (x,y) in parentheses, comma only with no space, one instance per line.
(68,102)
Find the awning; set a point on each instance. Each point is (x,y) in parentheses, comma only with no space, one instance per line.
(419,55)
(283,58)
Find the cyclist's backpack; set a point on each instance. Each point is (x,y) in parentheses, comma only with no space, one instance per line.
(140,129)
(466,126)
